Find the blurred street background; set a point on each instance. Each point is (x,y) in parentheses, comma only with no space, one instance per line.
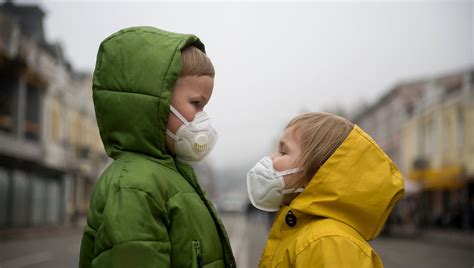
(403,71)
(247,234)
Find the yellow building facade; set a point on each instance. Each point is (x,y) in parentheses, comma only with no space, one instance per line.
(438,150)
(438,141)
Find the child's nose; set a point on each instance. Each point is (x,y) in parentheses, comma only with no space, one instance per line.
(273,156)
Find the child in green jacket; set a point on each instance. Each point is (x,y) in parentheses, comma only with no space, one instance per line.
(147,210)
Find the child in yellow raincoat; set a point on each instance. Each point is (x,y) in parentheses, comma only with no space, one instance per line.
(333,188)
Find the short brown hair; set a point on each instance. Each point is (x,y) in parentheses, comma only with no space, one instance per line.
(320,134)
(195,62)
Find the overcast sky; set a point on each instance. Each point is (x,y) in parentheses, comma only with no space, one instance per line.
(274,60)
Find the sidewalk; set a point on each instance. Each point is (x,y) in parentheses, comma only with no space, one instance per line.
(41,232)
(53,247)
(452,237)
(455,238)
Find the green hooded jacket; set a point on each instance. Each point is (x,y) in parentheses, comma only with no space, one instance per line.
(147,210)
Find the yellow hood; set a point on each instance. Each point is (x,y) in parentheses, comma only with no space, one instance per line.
(358,185)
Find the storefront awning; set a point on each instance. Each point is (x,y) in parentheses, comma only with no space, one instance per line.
(450,177)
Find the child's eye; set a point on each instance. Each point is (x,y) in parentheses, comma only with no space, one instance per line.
(195,103)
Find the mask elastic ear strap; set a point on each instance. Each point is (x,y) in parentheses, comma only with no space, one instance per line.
(292,191)
(180,117)
(171,134)
(289,171)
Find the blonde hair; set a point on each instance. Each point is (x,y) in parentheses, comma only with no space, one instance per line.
(320,134)
(195,62)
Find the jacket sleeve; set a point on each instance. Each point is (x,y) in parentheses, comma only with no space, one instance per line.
(335,251)
(133,232)
(87,247)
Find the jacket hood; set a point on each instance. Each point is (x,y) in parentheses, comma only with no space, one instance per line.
(134,75)
(358,185)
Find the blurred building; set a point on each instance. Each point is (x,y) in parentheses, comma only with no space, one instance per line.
(50,149)
(207,178)
(385,120)
(427,128)
(439,150)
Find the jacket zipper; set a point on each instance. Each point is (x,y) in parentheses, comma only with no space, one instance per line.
(226,248)
(197,250)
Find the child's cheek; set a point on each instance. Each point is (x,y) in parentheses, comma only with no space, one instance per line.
(279,164)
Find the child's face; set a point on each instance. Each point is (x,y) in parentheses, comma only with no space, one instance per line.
(190,96)
(285,157)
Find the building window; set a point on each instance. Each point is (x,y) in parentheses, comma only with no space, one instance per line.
(429,139)
(4,192)
(55,121)
(420,138)
(446,137)
(460,130)
(8,104)
(75,129)
(409,109)
(33,108)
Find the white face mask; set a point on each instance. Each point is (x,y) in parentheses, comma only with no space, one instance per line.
(266,187)
(193,140)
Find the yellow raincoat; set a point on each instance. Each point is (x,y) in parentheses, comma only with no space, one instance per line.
(346,204)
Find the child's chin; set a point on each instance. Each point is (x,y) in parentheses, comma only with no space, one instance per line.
(288,198)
